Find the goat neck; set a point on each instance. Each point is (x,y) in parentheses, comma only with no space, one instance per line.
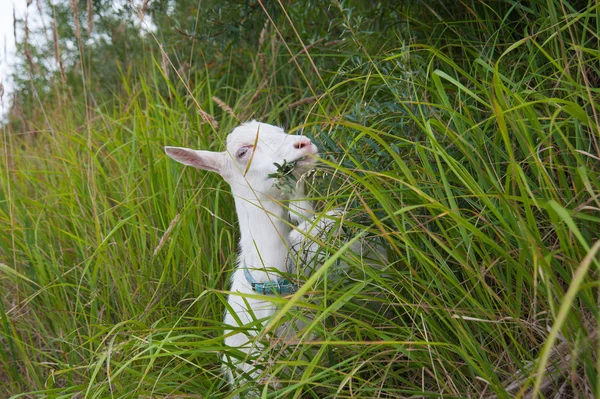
(263,236)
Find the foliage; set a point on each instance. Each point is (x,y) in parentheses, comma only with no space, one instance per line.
(464,136)
(285,179)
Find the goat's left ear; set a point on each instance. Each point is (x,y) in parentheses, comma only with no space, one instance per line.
(207,160)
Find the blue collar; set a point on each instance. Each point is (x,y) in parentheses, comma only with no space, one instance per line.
(281,287)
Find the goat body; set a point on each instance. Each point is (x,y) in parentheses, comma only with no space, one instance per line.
(252,151)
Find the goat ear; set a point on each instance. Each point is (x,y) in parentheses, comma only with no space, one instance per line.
(206,160)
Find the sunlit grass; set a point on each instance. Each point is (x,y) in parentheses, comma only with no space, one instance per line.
(476,165)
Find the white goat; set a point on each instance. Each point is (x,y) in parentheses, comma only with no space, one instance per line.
(252,150)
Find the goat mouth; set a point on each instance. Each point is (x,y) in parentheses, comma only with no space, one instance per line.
(305,160)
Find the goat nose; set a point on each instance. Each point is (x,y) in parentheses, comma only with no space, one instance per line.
(302,143)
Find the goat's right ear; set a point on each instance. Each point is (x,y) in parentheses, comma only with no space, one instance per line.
(206,160)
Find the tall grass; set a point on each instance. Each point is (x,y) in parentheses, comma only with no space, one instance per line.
(472,154)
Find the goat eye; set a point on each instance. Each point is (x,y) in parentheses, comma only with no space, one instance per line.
(242,151)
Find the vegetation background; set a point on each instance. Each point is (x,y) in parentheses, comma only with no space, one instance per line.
(462,135)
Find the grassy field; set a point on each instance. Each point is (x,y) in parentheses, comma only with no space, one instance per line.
(468,146)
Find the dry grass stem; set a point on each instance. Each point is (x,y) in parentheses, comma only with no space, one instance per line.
(164,63)
(263,34)
(27,50)
(305,50)
(90,17)
(56,47)
(142,10)
(166,235)
(263,64)
(307,100)
(75,9)
(225,107)
(208,118)
(333,42)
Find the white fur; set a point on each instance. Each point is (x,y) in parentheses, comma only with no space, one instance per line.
(264,233)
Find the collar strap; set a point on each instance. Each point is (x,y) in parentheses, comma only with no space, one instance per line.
(281,287)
